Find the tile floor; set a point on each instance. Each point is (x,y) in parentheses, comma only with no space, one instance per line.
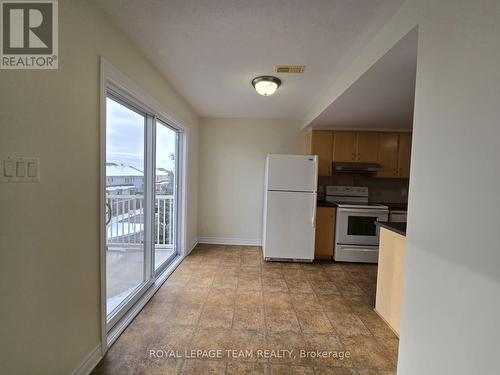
(228,298)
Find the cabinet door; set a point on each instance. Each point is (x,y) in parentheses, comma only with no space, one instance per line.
(367,147)
(388,154)
(404,155)
(325,222)
(344,146)
(321,145)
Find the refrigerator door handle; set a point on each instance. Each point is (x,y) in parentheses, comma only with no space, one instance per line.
(313,219)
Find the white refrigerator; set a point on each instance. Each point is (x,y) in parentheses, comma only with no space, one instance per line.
(290,207)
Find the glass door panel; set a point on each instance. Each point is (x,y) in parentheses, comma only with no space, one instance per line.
(125,205)
(165,206)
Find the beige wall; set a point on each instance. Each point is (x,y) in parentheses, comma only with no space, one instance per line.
(451,283)
(232,158)
(49,232)
(449,322)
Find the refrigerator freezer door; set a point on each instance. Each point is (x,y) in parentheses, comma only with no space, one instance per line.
(290,225)
(292,172)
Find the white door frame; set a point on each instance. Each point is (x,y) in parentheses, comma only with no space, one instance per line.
(112,78)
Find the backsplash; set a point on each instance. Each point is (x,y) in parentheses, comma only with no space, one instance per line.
(387,190)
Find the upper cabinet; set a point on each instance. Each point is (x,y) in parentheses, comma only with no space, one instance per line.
(388,155)
(391,150)
(320,142)
(355,147)
(344,146)
(404,155)
(368,144)
(394,155)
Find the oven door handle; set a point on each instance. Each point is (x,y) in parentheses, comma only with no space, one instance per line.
(364,211)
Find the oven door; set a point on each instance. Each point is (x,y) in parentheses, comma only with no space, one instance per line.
(356,226)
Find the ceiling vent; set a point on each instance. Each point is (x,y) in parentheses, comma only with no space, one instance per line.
(290,68)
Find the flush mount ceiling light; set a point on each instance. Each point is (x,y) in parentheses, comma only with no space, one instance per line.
(266,85)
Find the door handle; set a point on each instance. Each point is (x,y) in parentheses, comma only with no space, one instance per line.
(109,213)
(313,219)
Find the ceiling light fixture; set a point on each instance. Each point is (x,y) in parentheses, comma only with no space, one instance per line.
(266,85)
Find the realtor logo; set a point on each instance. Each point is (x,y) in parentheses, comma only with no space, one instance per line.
(29,34)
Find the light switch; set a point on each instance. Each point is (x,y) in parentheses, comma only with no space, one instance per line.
(8,168)
(20,169)
(32,169)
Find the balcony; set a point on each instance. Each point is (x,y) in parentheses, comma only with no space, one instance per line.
(124,242)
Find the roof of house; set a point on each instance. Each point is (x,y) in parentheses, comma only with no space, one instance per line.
(116,169)
(122,170)
(119,187)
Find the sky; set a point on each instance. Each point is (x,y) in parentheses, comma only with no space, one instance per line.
(125,138)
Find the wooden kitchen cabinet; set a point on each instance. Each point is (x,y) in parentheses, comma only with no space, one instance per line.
(391,255)
(367,147)
(345,146)
(390,149)
(320,143)
(404,155)
(325,236)
(388,154)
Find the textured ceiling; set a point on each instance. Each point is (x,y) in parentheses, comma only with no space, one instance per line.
(382,98)
(210,50)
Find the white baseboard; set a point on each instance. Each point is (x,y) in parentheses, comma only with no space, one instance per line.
(90,362)
(231,241)
(193,245)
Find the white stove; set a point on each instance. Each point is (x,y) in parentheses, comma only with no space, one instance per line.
(356,235)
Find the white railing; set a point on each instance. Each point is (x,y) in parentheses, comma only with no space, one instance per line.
(125,215)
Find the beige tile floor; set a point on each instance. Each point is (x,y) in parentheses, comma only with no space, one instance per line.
(228,298)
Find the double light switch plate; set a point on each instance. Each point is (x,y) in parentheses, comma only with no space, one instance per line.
(19,169)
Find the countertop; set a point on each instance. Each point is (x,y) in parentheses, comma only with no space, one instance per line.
(399,228)
(391,206)
(395,206)
(322,203)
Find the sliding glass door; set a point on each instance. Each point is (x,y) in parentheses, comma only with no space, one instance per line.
(141,202)
(165,219)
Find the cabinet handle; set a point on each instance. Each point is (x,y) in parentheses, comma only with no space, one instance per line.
(353,156)
(329,169)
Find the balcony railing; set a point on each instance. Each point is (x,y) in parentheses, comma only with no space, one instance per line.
(126,220)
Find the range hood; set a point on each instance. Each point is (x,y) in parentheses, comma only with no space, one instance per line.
(348,167)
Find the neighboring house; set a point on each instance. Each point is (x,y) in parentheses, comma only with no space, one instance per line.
(123,179)
(164,181)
